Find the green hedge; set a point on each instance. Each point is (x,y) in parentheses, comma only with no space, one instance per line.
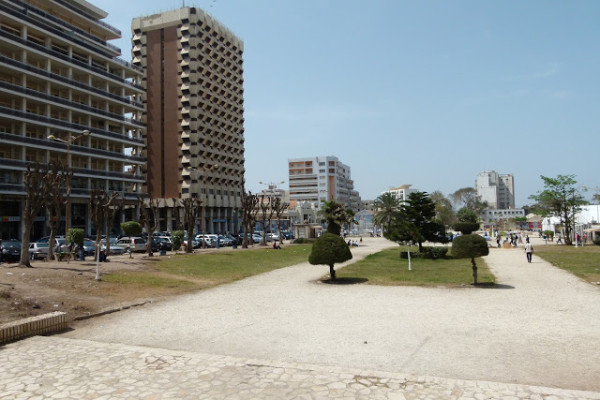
(432,253)
(304,240)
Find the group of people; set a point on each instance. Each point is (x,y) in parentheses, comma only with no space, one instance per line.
(354,243)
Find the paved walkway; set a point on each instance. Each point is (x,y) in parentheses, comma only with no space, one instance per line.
(59,368)
(282,335)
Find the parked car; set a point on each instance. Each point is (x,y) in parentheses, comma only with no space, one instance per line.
(272,236)
(38,250)
(11,250)
(134,244)
(207,241)
(89,247)
(115,249)
(256,238)
(162,242)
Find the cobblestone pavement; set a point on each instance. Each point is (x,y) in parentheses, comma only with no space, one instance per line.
(59,368)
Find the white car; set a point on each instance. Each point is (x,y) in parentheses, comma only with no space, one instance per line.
(134,244)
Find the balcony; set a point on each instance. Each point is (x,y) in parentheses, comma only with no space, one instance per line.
(42,73)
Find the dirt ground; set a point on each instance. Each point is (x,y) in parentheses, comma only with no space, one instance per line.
(71,287)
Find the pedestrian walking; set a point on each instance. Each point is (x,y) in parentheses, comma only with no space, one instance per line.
(528,251)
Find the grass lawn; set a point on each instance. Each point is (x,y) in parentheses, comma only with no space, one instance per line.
(387,268)
(183,273)
(583,262)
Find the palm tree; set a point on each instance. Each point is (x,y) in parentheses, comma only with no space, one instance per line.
(336,216)
(388,206)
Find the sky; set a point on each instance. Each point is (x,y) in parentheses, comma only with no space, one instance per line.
(427,92)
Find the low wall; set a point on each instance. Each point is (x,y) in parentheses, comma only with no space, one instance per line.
(39,325)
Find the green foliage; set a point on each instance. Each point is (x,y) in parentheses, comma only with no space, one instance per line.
(560,198)
(131,228)
(469,246)
(520,219)
(466,215)
(428,252)
(336,216)
(416,222)
(388,207)
(329,249)
(177,239)
(443,208)
(549,234)
(466,227)
(385,268)
(75,236)
(304,240)
(434,253)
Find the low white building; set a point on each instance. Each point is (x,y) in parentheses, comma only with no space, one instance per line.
(493,214)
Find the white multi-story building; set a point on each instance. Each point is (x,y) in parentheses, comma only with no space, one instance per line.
(62,81)
(401,192)
(498,190)
(317,179)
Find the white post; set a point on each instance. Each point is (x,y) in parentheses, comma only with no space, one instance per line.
(98,258)
(409,264)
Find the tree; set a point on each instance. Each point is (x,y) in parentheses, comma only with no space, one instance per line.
(38,181)
(329,249)
(100,203)
(470,246)
(75,236)
(56,201)
(443,208)
(267,214)
(469,199)
(279,206)
(150,220)
(417,222)
(191,207)
(387,207)
(249,211)
(336,216)
(468,221)
(560,198)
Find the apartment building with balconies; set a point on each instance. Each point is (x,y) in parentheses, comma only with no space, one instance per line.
(59,77)
(194,113)
(324,178)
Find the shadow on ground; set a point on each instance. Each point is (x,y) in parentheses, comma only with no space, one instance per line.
(345,281)
(492,285)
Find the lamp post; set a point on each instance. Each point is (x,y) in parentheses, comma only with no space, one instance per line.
(68,142)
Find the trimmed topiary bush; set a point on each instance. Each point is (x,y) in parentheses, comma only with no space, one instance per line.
(466,227)
(470,246)
(177,239)
(131,228)
(329,249)
(304,240)
(434,252)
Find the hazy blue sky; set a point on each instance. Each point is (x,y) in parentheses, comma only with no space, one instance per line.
(427,93)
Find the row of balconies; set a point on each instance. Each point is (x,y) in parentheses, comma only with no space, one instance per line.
(20,67)
(25,93)
(29,45)
(58,124)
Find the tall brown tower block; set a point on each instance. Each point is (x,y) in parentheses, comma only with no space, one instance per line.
(194,111)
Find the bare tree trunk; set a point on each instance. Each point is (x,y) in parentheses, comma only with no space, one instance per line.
(332,272)
(474,271)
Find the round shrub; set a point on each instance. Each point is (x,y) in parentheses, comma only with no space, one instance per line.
(329,249)
(466,227)
(469,246)
(177,239)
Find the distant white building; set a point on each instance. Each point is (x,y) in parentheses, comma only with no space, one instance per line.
(401,192)
(323,178)
(491,215)
(498,190)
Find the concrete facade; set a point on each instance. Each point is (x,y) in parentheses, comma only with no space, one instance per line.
(194,112)
(323,178)
(401,192)
(60,77)
(498,190)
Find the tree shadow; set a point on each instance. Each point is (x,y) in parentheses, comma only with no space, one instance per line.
(344,281)
(491,285)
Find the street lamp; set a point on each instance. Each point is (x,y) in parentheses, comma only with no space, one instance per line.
(68,142)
